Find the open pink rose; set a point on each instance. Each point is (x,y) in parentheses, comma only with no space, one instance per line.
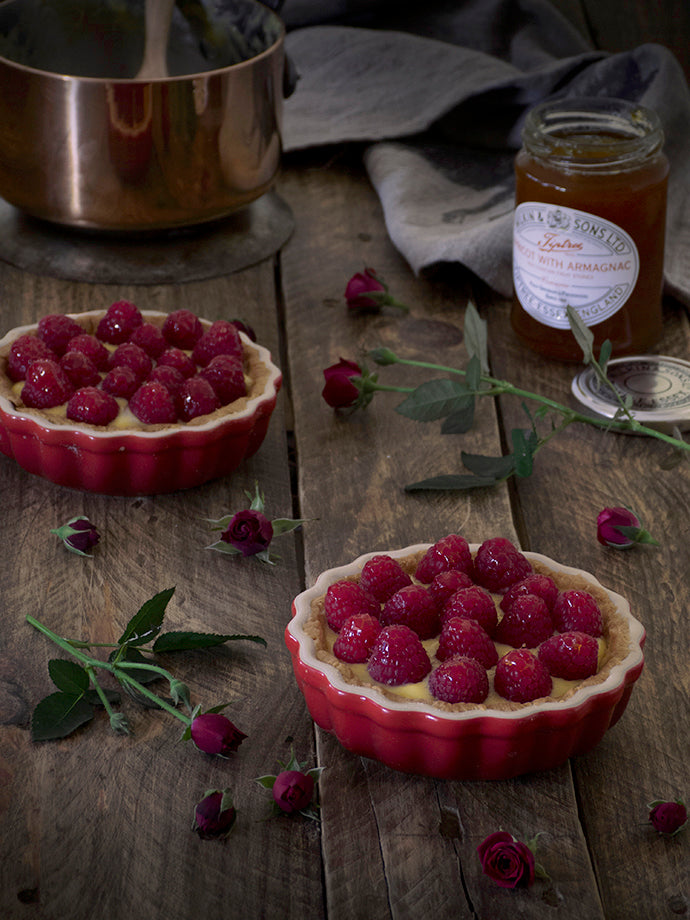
(214,733)
(249,531)
(339,391)
(506,860)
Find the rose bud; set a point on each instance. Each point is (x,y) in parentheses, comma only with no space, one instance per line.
(78,535)
(292,790)
(215,815)
(620,528)
(250,532)
(339,391)
(509,862)
(213,733)
(368,291)
(668,817)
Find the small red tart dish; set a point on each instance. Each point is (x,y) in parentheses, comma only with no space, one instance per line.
(487,741)
(138,460)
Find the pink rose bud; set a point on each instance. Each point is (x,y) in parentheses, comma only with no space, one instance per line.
(213,733)
(78,535)
(292,790)
(215,815)
(250,532)
(339,391)
(368,291)
(668,817)
(509,862)
(620,528)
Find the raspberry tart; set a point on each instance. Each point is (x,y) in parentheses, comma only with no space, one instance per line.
(515,663)
(124,401)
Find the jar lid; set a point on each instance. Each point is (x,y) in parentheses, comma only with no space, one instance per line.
(657,385)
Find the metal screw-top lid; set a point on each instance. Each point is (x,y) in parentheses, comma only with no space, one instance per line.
(658,385)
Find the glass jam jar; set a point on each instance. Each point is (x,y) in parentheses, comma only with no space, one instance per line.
(590,216)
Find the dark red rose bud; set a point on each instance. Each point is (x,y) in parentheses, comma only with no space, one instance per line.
(215,815)
(78,535)
(213,733)
(668,817)
(339,391)
(509,862)
(250,532)
(620,528)
(367,291)
(293,790)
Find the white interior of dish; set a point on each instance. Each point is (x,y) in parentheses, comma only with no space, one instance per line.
(268,392)
(307,649)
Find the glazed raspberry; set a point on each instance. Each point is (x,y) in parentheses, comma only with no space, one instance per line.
(90,346)
(23,351)
(195,398)
(169,376)
(498,564)
(80,370)
(382,576)
(577,610)
(521,677)
(129,355)
(542,585)
(150,338)
(222,338)
(225,373)
(356,639)
(474,603)
(121,381)
(398,657)
(570,655)
(46,385)
(459,680)
(460,636)
(93,406)
(414,606)
(153,404)
(175,357)
(345,599)
(119,322)
(56,330)
(452,552)
(183,329)
(527,622)
(447,583)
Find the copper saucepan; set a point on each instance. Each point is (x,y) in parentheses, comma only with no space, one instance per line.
(86,142)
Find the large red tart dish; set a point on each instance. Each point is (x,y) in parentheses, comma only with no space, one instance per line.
(138,461)
(477,742)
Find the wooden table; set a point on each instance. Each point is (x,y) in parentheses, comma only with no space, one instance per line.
(99,825)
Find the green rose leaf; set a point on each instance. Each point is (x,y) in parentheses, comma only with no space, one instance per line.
(112,696)
(146,623)
(494,468)
(459,422)
(476,337)
(451,483)
(525,443)
(58,715)
(132,654)
(285,525)
(435,399)
(68,676)
(186,641)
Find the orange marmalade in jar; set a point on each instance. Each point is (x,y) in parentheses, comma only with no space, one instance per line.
(590,215)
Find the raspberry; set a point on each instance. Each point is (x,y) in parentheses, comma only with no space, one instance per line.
(175,357)
(466,638)
(90,346)
(56,330)
(121,381)
(447,583)
(542,585)
(225,373)
(222,338)
(345,599)
(24,350)
(414,606)
(46,385)
(398,657)
(357,637)
(577,610)
(150,338)
(169,376)
(382,576)
(527,622)
(195,398)
(153,404)
(93,406)
(473,603)
(460,680)
(521,677)
(452,552)
(120,320)
(129,355)
(183,329)
(498,565)
(80,370)
(570,655)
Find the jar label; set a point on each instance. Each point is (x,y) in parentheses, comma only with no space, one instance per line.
(563,257)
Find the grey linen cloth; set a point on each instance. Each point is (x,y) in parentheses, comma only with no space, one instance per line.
(437,92)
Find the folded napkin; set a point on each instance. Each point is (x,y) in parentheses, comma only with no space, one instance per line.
(439,94)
